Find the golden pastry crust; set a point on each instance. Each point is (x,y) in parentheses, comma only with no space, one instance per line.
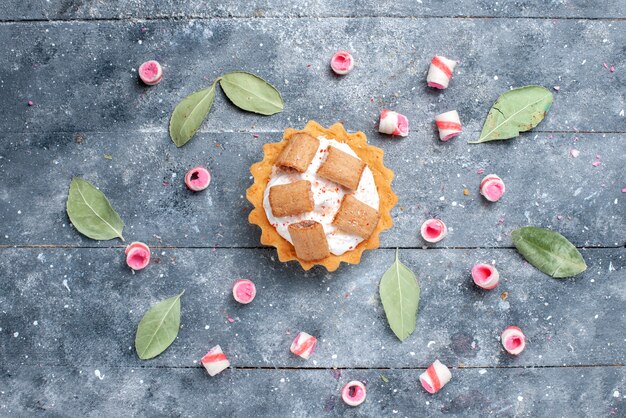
(372,156)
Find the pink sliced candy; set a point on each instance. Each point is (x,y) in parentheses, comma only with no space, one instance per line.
(150,72)
(198,179)
(433,230)
(485,276)
(215,361)
(244,291)
(492,188)
(342,62)
(513,340)
(353,393)
(303,345)
(393,123)
(449,125)
(137,255)
(435,377)
(440,72)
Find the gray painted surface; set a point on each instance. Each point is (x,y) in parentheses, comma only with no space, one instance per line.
(567,322)
(120,9)
(76,391)
(66,312)
(144,181)
(82,76)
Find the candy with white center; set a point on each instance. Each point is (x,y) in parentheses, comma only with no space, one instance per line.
(440,72)
(435,377)
(492,187)
(303,345)
(449,125)
(198,179)
(513,340)
(215,361)
(137,255)
(433,230)
(485,276)
(244,291)
(353,393)
(151,72)
(342,62)
(393,123)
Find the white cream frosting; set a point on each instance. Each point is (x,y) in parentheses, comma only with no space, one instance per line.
(327,197)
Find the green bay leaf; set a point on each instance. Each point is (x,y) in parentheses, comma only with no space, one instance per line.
(158,328)
(189,114)
(548,251)
(252,93)
(400,295)
(91,212)
(517,110)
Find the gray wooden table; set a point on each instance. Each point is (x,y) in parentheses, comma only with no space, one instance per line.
(69,306)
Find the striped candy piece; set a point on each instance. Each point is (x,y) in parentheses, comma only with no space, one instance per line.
(215,361)
(485,276)
(492,187)
(198,179)
(433,230)
(513,340)
(150,72)
(137,255)
(303,345)
(244,291)
(393,123)
(440,72)
(435,377)
(353,393)
(449,125)
(342,62)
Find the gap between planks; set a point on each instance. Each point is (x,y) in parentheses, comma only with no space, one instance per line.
(318,368)
(212,247)
(192,17)
(272,131)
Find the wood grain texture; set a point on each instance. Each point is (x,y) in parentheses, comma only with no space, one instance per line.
(567,322)
(67,312)
(166,9)
(82,76)
(76,391)
(546,187)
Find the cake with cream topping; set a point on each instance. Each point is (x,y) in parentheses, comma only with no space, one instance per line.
(321,196)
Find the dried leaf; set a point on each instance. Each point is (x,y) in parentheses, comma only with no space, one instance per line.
(158,328)
(517,110)
(400,295)
(91,212)
(548,251)
(108,157)
(252,93)
(189,114)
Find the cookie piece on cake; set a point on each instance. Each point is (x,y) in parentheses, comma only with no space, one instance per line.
(299,152)
(356,217)
(291,198)
(309,240)
(342,168)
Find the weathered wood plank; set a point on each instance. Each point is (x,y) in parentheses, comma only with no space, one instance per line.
(121,9)
(93,319)
(144,180)
(81,76)
(77,391)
